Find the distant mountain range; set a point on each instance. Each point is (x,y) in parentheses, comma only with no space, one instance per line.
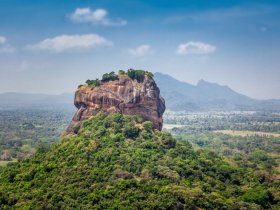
(179,96)
(206,96)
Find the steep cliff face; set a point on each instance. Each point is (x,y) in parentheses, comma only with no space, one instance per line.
(123,95)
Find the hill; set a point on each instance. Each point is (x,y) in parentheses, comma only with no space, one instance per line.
(113,160)
(206,96)
(120,162)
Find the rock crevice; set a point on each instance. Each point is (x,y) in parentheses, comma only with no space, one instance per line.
(124,95)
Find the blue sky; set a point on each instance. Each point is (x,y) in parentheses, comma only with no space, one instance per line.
(53,46)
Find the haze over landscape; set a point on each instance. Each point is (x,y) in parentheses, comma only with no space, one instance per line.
(140,104)
(232,43)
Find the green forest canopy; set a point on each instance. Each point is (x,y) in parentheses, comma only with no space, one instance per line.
(118,161)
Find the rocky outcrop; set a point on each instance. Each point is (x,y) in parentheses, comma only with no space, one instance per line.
(123,95)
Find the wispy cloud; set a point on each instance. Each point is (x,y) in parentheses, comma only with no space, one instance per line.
(195,48)
(98,17)
(141,51)
(70,42)
(2,39)
(5,47)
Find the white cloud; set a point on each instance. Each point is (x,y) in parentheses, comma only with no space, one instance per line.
(70,42)
(2,40)
(141,50)
(98,16)
(195,48)
(86,15)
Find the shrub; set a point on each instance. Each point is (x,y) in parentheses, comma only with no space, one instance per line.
(93,83)
(121,72)
(167,140)
(109,76)
(166,172)
(117,137)
(147,125)
(138,75)
(131,131)
(257,195)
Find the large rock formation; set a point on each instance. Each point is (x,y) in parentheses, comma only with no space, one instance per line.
(123,95)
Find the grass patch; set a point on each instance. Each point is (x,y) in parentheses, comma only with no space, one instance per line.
(4,163)
(247,133)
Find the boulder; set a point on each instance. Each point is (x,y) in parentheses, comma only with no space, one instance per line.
(124,95)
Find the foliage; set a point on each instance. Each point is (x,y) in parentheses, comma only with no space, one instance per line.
(109,76)
(239,121)
(148,125)
(23,130)
(242,144)
(121,72)
(138,75)
(257,195)
(93,83)
(131,131)
(118,162)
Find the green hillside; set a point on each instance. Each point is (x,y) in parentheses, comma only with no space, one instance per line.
(119,162)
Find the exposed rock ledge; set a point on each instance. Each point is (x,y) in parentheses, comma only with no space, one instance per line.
(123,95)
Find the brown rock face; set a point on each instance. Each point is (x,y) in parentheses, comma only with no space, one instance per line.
(125,96)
